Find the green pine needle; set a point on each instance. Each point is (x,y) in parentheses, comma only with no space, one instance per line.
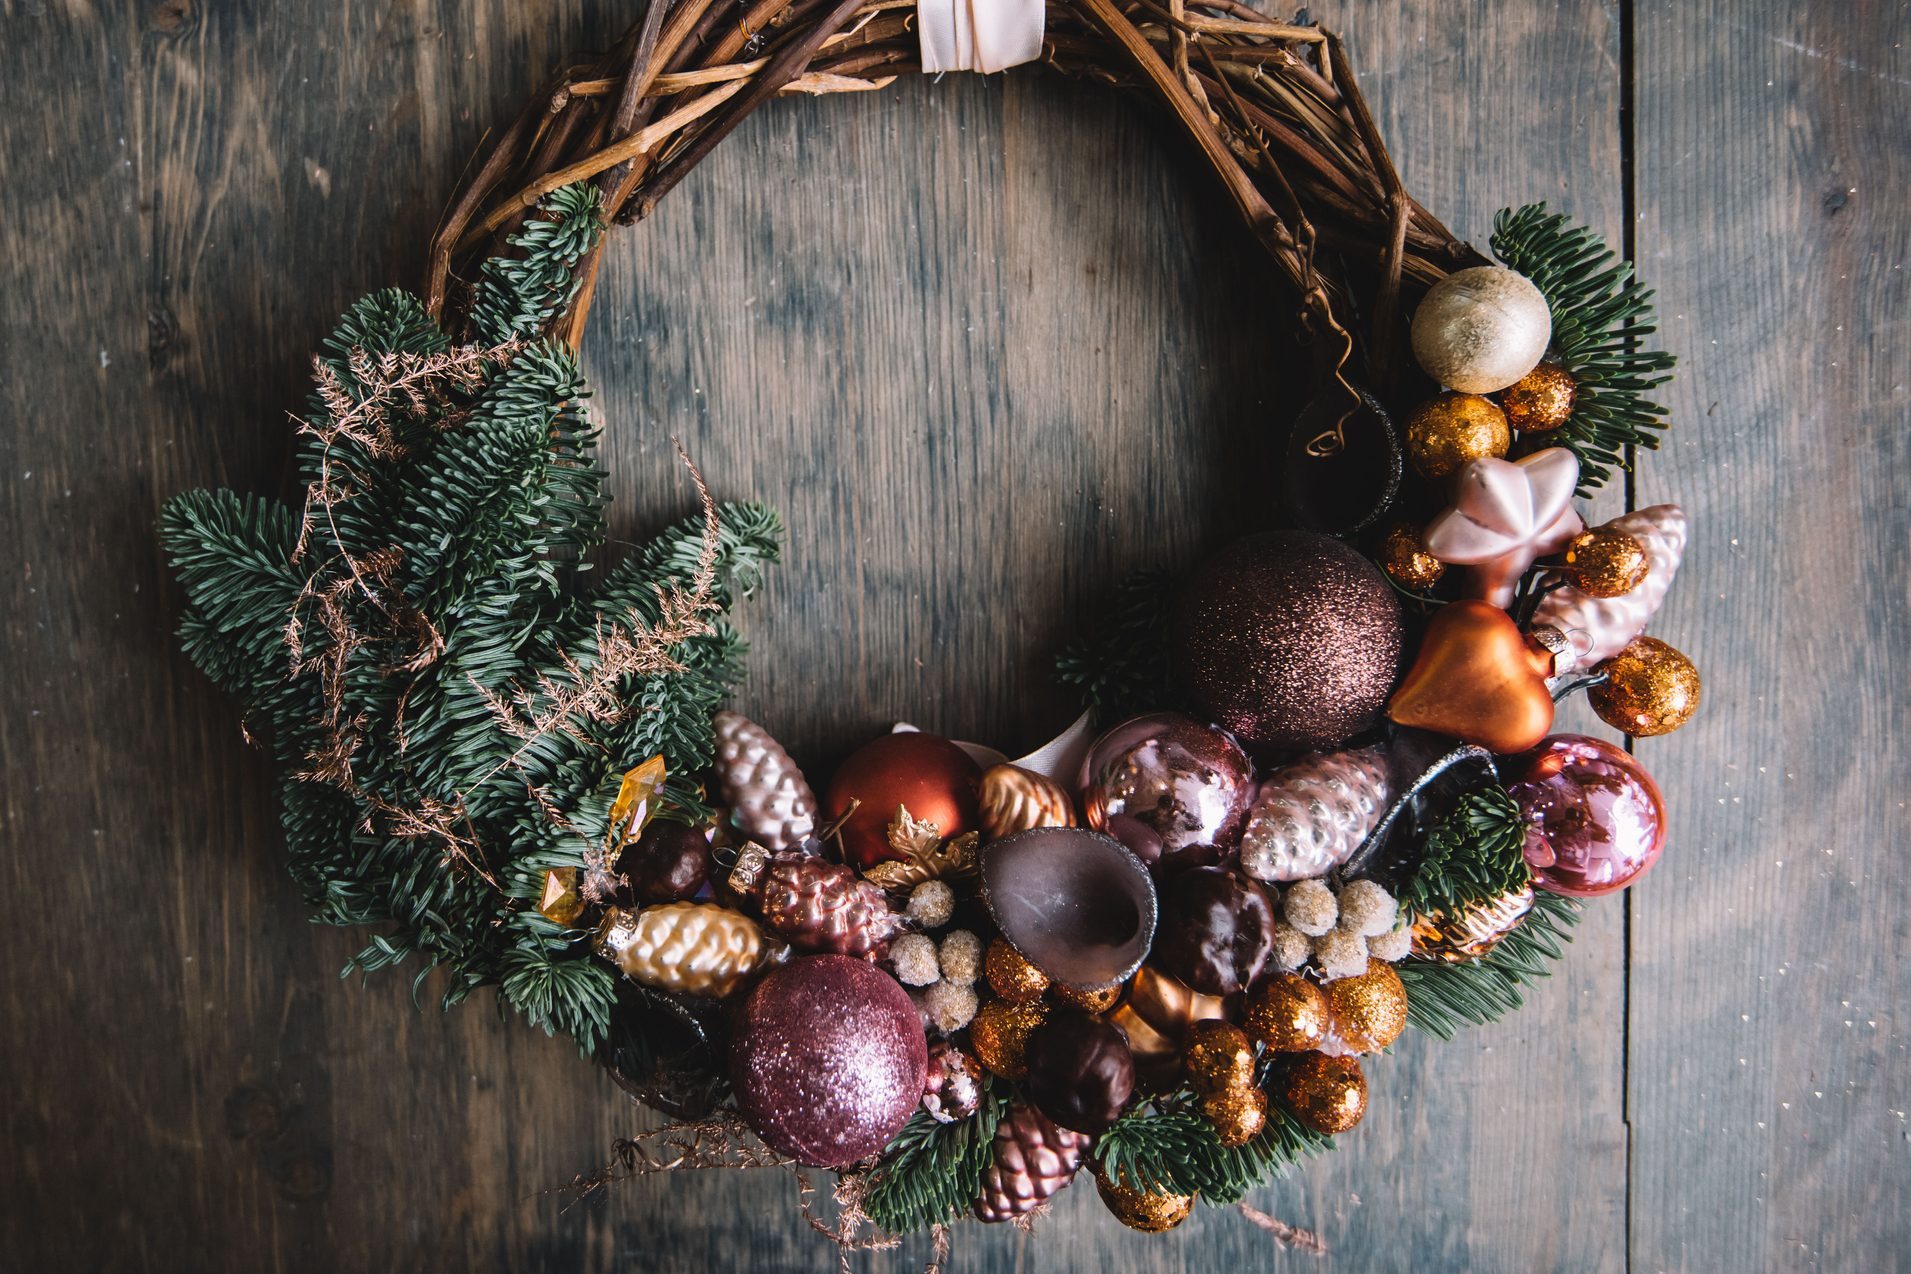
(1601,317)
(1442,998)
(1119,665)
(931,1172)
(1167,1145)
(1475,853)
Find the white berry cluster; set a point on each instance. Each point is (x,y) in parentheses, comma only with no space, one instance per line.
(941,975)
(1338,931)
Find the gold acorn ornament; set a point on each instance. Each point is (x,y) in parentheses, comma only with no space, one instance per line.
(1097,1002)
(1606,562)
(1149,1211)
(1650,689)
(1404,557)
(1470,931)
(1541,400)
(1451,430)
(1013,799)
(697,948)
(1328,1094)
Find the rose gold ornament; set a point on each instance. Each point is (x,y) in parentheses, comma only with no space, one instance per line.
(1404,556)
(697,948)
(1595,821)
(769,799)
(1148,1211)
(1505,515)
(1014,800)
(1187,782)
(999,1035)
(1595,629)
(1218,1057)
(1238,1114)
(1541,400)
(1328,1094)
(1650,689)
(1310,816)
(1477,678)
(1606,563)
(1010,975)
(1449,430)
(1472,931)
(1481,329)
(1288,1014)
(1369,1010)
(932,778)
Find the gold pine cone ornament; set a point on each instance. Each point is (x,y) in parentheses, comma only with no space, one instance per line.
(692,947)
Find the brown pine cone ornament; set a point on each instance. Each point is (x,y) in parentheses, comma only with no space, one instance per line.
(769,799)
(1032,1159)
(818,905)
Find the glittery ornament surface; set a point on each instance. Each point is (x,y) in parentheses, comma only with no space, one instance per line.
(1595,820)
(1328,1094)
(1289,639)
(1606,563)
(1597,628)
(1000,1032)
(1449,430)
(828,1060)
(1096,1001)
(1148,1211)
(1650,689)
(1404,556)
(1540,400)
(1288,1014)
(1187,782)
(1238,1113)
(1368,1010)
(1218,1057)
(1010,975)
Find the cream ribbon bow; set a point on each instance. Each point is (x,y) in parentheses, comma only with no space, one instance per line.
(979,35)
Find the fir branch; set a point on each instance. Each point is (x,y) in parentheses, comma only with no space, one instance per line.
(1443,997)
(517,296)
(1601,317)
(1476,852)
(931,1172)
(1119,665)
(1167,1145)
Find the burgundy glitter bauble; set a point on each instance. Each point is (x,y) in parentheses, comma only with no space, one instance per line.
(828,1060)
(1289,639)
(1594,818)
(1187,782)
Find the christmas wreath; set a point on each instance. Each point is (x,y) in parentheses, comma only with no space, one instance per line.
(1312,803)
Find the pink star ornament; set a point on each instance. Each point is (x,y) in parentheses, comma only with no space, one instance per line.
(1505,514)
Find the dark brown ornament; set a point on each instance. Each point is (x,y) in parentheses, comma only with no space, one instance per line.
(1541,400)
(1080,1073)
(1219,1057)
(1328,1094)
(1291,640)
(1076,903)
(670,862)
(1149,1211)
(1217,930)
(932,778)
(1030,1160)
(953,1087)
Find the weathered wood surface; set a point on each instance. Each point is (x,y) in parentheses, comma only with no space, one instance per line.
(985,345)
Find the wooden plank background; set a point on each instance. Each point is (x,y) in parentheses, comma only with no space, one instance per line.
(988,346)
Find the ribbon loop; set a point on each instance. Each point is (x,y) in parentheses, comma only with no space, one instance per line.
(979,35)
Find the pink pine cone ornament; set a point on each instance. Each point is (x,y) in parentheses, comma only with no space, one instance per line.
(1309,817)
(1598,628)
(769,799)
(823,906)
(1033,1159)
(1506,514)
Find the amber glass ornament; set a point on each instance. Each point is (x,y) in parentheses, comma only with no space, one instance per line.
(1238,1114)
(1650,689)
(1219,1056)
(1450,430)
(1404,556)
(1478,678)
(1369,1010)
(999,1034)
(1328,1094)
(932,778)
(1471,931)
(1540,400)
(1606,563)
(559,902)
(1288,1014)
(1149,1211)
(1010,975)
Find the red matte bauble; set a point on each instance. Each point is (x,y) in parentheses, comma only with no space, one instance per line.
(1478,678)
(1290,640)
(936,781)
(829,1060)
(1595,819)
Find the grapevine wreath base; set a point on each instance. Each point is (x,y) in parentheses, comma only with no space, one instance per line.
(1314,800)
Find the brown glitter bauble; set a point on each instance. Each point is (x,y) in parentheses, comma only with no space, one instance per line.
(1218,1057)
(1290,639)
(828,1060)
(1010,975)
(998,1036)
(1143,1210)
(1238,1114)
(1451,430)
(1471,931)
(1328,1094)
(1540,400)
(1650,688)
(1288,1014)
(932,778)
(1606,563)
(1097,1001)
(1369,1010)
(1405,559)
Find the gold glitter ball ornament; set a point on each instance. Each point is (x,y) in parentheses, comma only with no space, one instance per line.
(998,1037)
(1010,975)
(1096,1002)
(1328,1094)
(1450,430)
(1406,560)
(1219,1057)
(1650,688)
(1471,931)
(1144,1210)
(1288,1014)
(1540,400)
(1238,1114)
(1606,563)
(1369,1009)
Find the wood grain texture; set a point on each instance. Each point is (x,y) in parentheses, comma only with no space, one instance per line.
(986,345)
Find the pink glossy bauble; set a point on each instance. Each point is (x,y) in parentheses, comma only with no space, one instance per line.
(828,1060)
(1188,783)
(1595,820)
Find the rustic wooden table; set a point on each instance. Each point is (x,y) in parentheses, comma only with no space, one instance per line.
(984,343)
